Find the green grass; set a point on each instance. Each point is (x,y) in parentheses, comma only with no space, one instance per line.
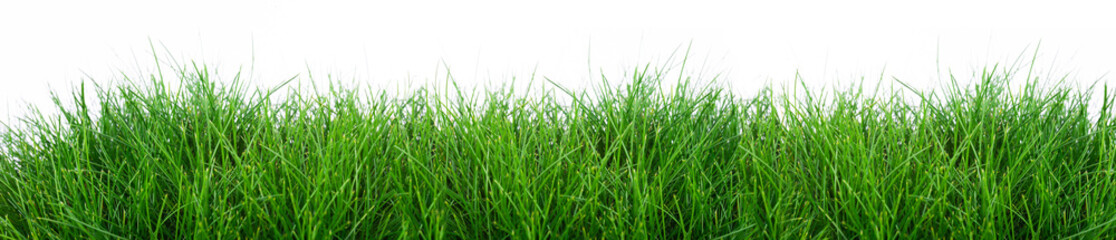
(222,161)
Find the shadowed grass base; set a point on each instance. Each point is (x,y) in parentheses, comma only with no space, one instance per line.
(635,162)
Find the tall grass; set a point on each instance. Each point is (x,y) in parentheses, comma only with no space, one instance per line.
(210,160)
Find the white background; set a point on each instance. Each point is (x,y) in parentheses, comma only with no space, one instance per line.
(53,44)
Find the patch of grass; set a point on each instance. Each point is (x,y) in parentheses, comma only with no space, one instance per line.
(208,160)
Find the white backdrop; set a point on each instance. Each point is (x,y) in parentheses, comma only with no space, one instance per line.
(53,44)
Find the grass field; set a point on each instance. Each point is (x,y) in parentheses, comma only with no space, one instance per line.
(222,161)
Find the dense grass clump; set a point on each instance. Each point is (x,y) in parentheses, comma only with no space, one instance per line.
(209,160)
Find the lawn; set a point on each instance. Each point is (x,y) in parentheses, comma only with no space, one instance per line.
(183,155)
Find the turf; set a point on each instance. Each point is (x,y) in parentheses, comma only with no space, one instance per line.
(208,159)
